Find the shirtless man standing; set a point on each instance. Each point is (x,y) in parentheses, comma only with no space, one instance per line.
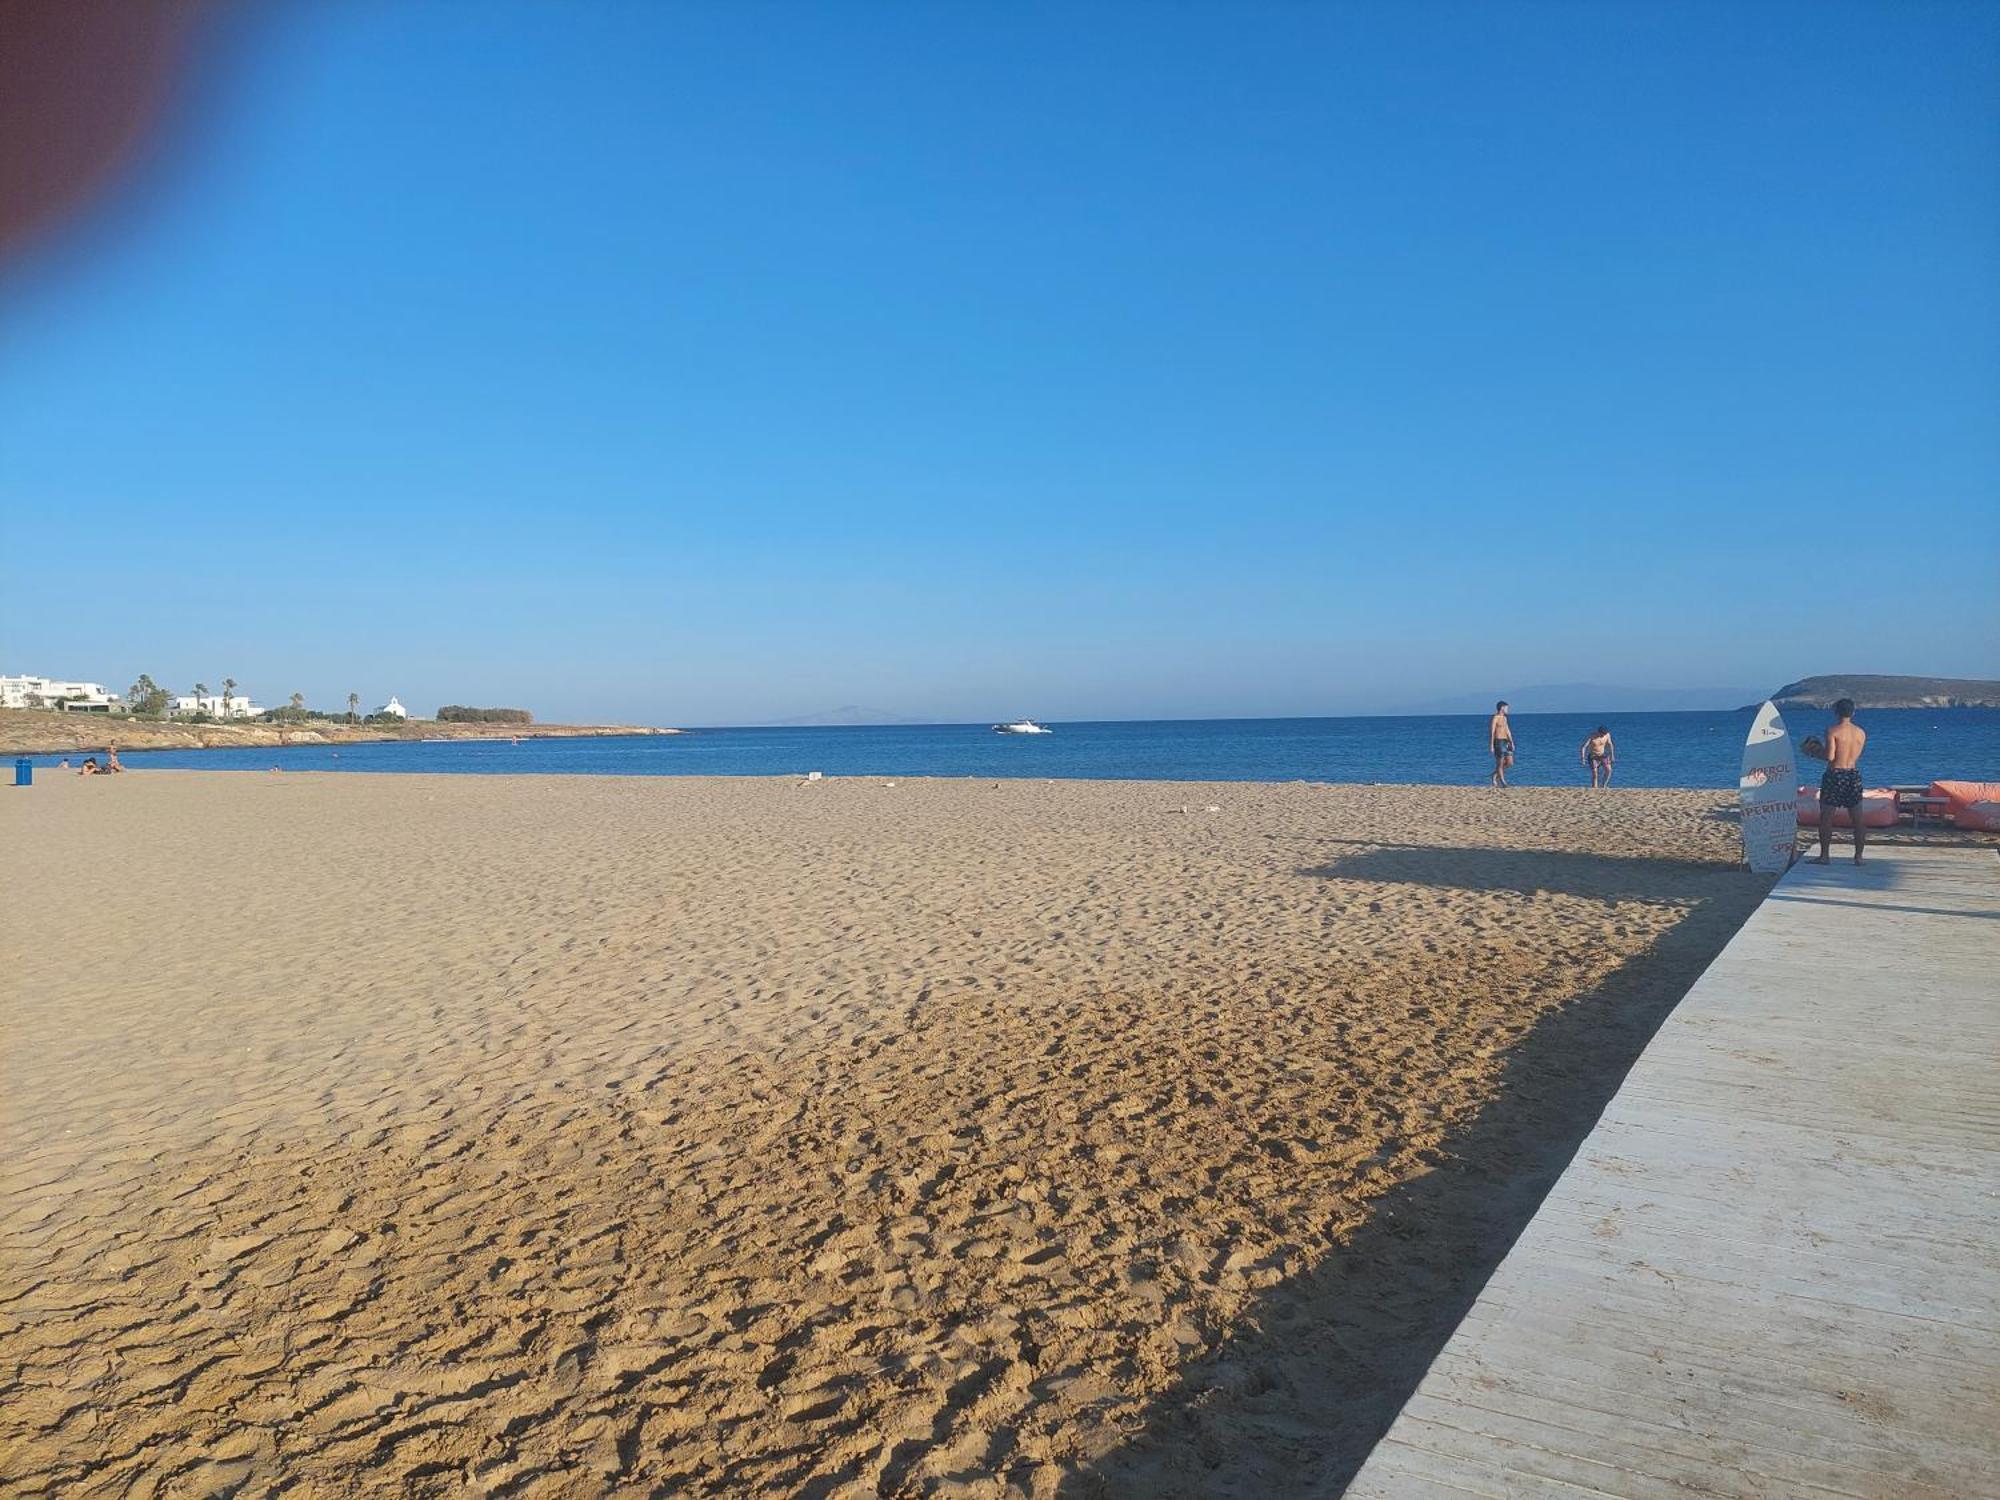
(1500,740)
(1600,755)
(1840,786)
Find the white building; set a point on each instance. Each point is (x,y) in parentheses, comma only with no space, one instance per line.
(188,707)
(393,709)
(51,692)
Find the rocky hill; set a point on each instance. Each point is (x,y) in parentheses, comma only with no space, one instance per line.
(1870,690)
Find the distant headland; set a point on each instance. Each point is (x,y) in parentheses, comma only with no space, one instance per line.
(25,731)
(1873,690)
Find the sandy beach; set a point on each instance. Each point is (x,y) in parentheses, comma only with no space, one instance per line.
(575,1136)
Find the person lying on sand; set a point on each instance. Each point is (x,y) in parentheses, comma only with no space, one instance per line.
(89,767)
(1840,784)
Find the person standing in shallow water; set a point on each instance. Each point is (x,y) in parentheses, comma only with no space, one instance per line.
(1600,755)
(1840,784)
(1500,740)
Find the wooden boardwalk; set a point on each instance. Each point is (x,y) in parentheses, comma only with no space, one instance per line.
(1773,1269)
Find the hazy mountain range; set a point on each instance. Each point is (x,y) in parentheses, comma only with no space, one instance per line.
(1867,690)
(847,714)
(1586,698)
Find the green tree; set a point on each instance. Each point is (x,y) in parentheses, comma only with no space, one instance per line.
(298,702)
(147,696)
(228,687)
(353,702)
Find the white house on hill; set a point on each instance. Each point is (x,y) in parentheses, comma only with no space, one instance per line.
(393,709)
(50,692)
(187,707)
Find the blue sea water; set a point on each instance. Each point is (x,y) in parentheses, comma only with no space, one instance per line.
(1654,750)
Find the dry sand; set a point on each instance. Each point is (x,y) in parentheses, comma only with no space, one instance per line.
(564,1136)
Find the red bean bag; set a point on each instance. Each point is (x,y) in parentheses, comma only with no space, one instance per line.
(1974,804)
(1878,809)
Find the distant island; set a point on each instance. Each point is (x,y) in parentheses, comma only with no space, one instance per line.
(1874,690)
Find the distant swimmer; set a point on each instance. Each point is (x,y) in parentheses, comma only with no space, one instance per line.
(1840,783)
(1500,740)
(1600,755)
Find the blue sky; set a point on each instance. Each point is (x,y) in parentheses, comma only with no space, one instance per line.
(715,363)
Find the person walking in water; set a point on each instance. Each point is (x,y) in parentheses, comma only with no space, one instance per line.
(1600,755)
(1840,784)
(1500,740)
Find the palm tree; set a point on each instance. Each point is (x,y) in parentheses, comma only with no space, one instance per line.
(228,687)
(353,702)
(298,702)
(200,692)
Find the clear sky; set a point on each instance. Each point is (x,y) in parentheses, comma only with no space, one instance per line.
(718,362)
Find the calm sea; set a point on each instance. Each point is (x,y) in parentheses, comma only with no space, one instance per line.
(1654,750)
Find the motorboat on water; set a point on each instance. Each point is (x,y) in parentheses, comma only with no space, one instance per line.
(1022,726)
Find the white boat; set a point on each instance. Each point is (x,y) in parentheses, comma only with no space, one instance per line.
(1022,726)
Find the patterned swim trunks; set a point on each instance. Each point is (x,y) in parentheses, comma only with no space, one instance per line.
(1840,788)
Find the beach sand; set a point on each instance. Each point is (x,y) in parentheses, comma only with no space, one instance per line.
(573,1136)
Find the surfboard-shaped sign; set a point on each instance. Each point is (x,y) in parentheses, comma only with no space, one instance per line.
(1768,790)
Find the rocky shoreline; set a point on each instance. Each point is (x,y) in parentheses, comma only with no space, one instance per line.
(31,732)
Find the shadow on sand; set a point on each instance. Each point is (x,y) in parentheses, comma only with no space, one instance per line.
(1292,1402)
(1527,872)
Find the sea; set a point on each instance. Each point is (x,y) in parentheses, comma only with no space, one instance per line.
(1905,746)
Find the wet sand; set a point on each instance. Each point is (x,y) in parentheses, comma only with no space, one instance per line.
(577,1136)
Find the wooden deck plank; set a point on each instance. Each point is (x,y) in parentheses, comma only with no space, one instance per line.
(1774,1266)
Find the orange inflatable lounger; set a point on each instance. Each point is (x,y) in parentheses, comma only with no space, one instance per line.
(1974,804)
(1878,809)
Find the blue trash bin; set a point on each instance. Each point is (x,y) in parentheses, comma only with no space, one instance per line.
(24,772)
